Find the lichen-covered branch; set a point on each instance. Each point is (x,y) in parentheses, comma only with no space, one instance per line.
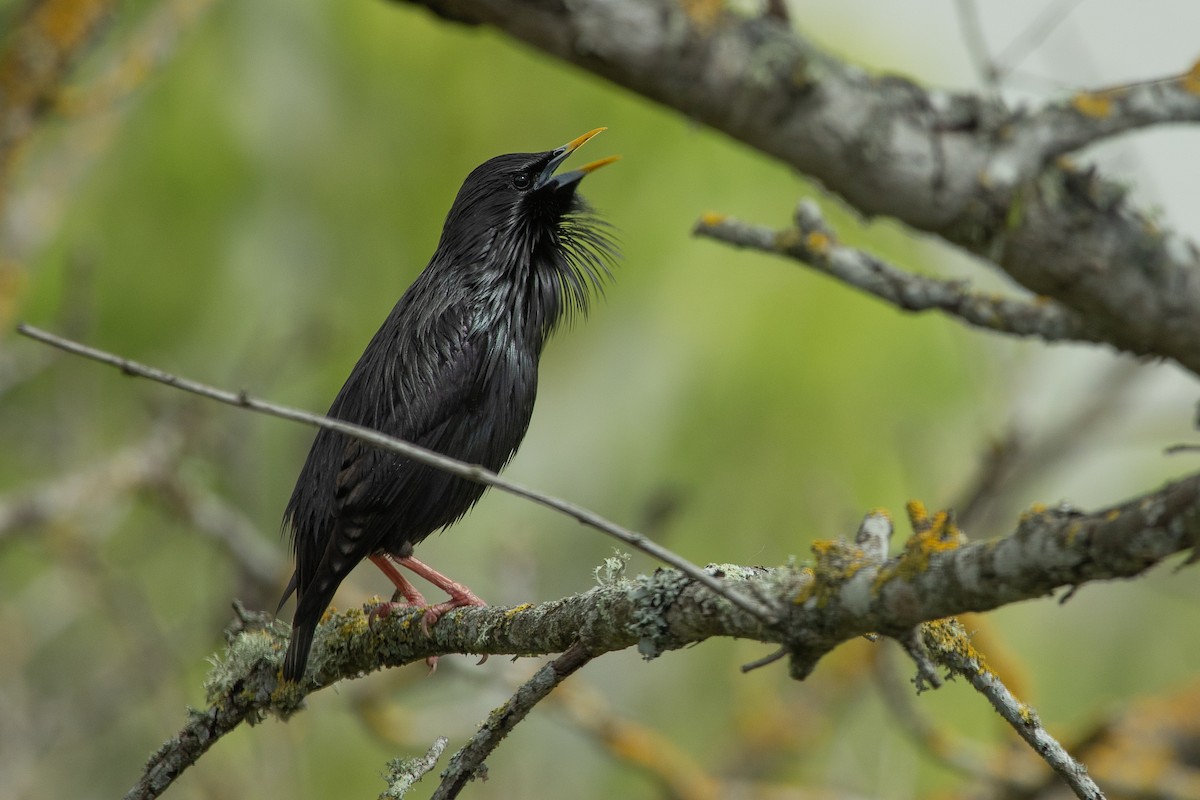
(466,763)
(966,167)
(850,590)
(403,774)
(814,243)
(939,574)
(948,642)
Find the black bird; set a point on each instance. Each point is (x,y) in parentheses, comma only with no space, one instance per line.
(453,369)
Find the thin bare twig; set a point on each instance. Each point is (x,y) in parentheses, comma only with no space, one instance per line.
(471,472)
(1031,37)
(971,28)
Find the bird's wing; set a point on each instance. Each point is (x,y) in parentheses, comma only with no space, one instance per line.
(422,396)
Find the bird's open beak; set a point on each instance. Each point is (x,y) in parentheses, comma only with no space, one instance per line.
(548,178)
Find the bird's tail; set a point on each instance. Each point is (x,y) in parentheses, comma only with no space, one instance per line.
(297,653)
(310,606)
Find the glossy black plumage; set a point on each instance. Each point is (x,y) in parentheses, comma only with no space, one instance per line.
(453,368)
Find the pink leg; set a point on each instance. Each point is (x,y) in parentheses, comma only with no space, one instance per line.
(404,588)
(460,595)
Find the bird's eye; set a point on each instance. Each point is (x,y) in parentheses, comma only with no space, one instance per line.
(521,181)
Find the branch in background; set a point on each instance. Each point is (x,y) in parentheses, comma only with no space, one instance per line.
(131,468)
(467,764)
(1101,113)
(259,562)
(1015,461)
(30,215)
(471,472)
(677,773)
(813,243)
(143,54)
(964,167)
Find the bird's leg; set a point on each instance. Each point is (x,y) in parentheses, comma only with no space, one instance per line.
(460,595)
(404,588)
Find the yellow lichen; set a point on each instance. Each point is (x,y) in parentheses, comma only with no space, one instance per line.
(948,636)
(352,622)
(918,517)
(704,14)
(1112,514)
(787,239)
(512,612)
(1191,79)
(1096,106)
(1035,510)
(818,242)
(712,218)
(837,562)
(822,547)
(931,535)
(806,591)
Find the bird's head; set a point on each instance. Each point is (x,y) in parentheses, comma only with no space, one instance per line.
(518,222)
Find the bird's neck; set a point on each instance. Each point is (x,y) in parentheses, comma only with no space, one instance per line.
(520,300)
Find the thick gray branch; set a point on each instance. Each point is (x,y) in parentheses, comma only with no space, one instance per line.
(968,168)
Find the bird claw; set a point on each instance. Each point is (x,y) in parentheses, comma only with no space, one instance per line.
(387,609)
(435,612)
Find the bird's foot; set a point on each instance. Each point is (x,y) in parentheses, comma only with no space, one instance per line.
(460,596)
(404,602)
(462,599)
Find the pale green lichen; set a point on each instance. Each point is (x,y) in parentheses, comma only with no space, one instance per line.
(612,571)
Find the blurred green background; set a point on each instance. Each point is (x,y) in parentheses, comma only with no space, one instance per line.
(248,216)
